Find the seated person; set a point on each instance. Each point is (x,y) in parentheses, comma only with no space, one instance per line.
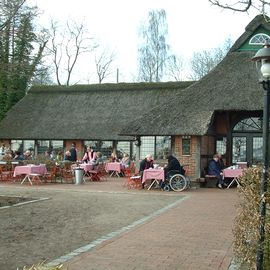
(67,156)
(18,156)
(220,162)
(99,159)
(27,155)
(114,157)
(145,164)
(214,169)
(90,155)
(173,165)
(125,160)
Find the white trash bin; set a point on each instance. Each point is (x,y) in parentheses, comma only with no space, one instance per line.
(78,176)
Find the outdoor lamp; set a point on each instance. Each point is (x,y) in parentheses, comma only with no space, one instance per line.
(265,69)
(262,58)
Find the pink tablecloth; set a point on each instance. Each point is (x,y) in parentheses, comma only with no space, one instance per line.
(87,167)
(153,174)
(232,173)
(113,166)
(28,169)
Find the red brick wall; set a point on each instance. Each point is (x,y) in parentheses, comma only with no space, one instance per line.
(193,160)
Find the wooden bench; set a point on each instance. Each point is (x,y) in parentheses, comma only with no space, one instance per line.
(208,181)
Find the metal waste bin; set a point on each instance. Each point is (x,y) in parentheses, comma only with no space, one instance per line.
(78,176)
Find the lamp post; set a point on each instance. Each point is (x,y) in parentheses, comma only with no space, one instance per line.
(262,58)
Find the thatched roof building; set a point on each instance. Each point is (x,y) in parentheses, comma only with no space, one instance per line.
(96,112)
(231,86)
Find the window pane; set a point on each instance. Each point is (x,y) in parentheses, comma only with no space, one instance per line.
(259,39)
(257,150)
(239,149)
(123,147)
(163,146)
(186,146)
(221,146)
(28,145)
(43,146)
(16,145)
(249,124)
(57,146)
(147,146)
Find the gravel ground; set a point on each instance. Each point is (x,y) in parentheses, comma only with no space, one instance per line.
(70,218)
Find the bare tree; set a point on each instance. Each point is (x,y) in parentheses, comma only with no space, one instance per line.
(153,50)
(175,67)
(104,59)
(66,47)
(203,62)
(243,5)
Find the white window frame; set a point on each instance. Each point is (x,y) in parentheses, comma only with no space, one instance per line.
(262,36)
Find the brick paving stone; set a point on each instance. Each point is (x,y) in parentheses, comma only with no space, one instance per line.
(196,234)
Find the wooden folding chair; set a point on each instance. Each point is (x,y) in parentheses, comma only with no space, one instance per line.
(134,181)
(52,174)
(67,173)
(5,173)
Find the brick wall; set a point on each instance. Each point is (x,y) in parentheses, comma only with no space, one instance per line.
(193,160)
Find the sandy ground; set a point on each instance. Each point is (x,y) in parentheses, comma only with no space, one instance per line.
(72,217)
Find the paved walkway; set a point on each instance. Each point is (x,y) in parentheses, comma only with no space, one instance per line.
(195,234)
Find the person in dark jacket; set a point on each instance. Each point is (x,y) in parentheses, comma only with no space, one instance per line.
(73,153)
(214,169)
(173,166)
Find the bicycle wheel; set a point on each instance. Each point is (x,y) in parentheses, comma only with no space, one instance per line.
(178,182)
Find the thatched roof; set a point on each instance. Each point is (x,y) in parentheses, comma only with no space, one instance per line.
(230,86)
(87,112)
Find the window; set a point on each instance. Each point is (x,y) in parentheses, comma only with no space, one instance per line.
(123,147)
(163,146)
(45,145)
(28,145)
(221,145)
(249,124)
(57,146)
(239,149)
(259,39)
(16,145)
(158,146)
(42,146)
(186,145)
(147,146)
(105,147)
(257,150)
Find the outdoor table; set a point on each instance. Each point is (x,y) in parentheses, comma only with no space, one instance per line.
(114,167)
(232,173)
(88,167)
(30,170)
(156,174)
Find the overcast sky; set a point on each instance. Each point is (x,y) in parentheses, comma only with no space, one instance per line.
(193,25)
